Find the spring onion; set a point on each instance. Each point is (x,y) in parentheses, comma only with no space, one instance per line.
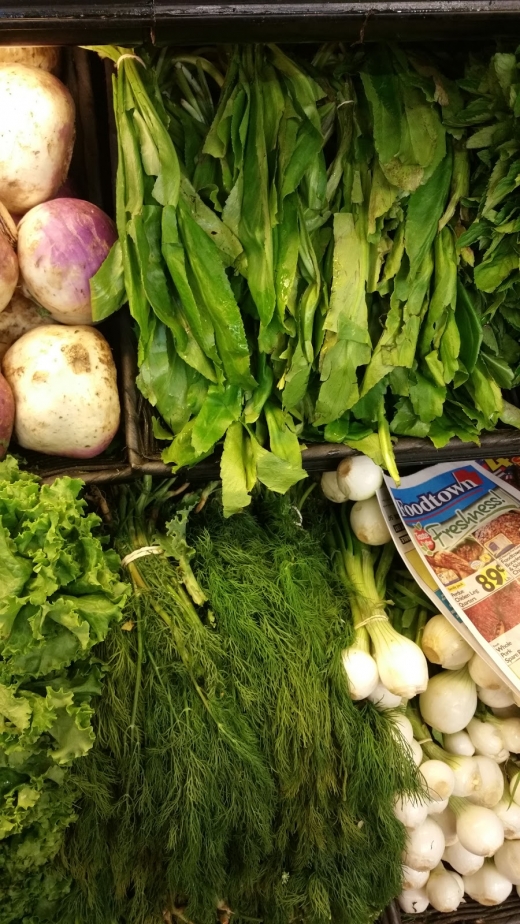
(443,645)
(459,743)
(445,889)
(359,478)
(450,700)
(487,886)
(479,830)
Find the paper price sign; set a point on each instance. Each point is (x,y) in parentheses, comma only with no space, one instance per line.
(492,577)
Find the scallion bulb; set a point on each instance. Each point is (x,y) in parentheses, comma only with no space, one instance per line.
(443,645)
(413,901)
(462,860)
(360,667)
(479,830)
(401,664)
(445,890)
(487,886)
(485,736)
(507,861)
(459,743)
(425,846)
(413,879)
(449,702)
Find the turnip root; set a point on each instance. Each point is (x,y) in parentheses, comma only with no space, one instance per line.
(8,226)
(6,416)
(36,136)
(20,316)
(65,391)
(46,57)
(61,245)
(8,272)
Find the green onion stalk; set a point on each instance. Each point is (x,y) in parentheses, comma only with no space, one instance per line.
(401,664)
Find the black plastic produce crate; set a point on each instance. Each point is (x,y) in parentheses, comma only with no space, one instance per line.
(468,913)
(144,451)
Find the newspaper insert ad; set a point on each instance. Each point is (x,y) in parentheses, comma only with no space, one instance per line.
(457,526)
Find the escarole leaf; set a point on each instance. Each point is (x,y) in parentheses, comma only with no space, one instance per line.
(107,286)
(235,470)
(347,343)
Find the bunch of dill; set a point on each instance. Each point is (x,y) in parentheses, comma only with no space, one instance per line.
(231,768)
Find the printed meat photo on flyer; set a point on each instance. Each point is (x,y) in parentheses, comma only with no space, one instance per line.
(497,613)
(450,566)
(500,533)
(473,552)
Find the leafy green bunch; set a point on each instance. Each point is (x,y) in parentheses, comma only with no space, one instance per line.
(491,242)
(59,596)
(230,766)
(288,245)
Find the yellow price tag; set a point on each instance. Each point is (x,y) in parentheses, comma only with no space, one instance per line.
(491,577)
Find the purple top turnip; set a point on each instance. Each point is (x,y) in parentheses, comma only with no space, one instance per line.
(61,245)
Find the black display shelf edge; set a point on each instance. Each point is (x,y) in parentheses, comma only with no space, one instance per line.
(75,22)
(188,23)
(165,21)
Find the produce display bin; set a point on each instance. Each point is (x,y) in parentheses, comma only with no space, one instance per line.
(468,913)
(84,76)
(144,451)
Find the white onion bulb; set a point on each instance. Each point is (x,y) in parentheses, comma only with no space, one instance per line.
(449,702)
(496,698)
(413,901)
(413,879)
(462,860)
(507,861)
(485,736)
(491,787)
(488,886)
(443,645)
(445,890)
(425,846)
(459,743)
(331,489)
(482,674)
(359,478)
(368,523)
(411,813)
(448,822)
(479,830)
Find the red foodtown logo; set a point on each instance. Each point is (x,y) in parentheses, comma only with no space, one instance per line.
(465,482)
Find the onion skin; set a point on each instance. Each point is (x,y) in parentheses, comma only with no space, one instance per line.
(65,390)
(8,272)
(61,245)
(36,136)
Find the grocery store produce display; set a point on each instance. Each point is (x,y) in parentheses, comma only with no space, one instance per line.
(266,719)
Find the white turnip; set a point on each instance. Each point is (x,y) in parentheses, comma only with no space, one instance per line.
(20,316)
(61,245)
(65,390)
(36,135)
(8,272)
(46,57)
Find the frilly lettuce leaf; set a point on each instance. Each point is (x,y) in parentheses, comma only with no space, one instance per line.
(59,595)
